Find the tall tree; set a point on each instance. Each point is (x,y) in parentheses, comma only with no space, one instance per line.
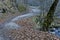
(49,18)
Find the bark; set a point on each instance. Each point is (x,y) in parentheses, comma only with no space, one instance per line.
(49,18)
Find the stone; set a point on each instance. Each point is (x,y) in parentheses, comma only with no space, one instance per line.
(11,25)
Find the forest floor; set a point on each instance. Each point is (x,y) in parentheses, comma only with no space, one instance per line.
(28,33)
(8,16)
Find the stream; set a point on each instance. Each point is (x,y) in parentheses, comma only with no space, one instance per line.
(33,12)
(10,24)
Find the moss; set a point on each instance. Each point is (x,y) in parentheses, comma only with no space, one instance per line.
(21,8)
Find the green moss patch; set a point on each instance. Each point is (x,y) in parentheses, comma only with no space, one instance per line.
(21,8)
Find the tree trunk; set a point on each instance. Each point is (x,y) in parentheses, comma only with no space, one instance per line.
(49,18)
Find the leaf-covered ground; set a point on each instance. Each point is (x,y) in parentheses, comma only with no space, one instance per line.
(26,32)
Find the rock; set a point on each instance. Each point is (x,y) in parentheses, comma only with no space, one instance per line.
(1,38)
(11,25)
(4,38)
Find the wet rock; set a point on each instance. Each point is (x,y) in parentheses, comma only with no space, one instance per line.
(55,31)
(4,38)
(11,25)
(1,38)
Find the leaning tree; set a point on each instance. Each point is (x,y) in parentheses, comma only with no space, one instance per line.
(48,19)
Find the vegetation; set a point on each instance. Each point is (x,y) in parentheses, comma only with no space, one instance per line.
(49,18)
(21,8)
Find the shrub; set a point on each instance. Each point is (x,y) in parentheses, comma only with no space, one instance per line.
(21,8)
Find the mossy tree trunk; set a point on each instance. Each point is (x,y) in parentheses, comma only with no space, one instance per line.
(49,18)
